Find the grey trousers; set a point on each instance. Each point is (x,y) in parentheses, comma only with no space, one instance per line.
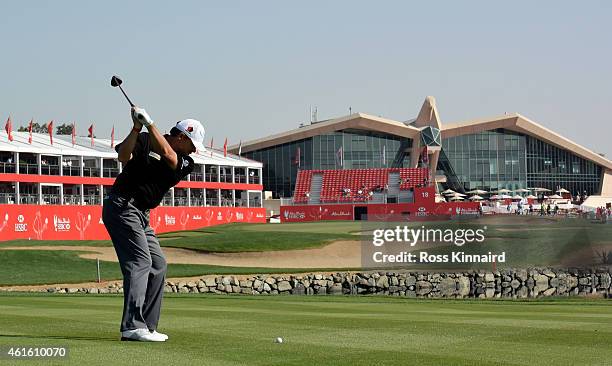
(142,262)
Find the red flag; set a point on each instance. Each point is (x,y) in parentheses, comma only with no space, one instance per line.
(113,137)
(225,148)
(73,134)
(90,129)
(30,131)
(9,128)
(50,130)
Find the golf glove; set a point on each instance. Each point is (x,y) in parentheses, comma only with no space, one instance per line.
(141,116)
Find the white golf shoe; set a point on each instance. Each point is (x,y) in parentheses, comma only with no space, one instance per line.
(141,335)
(164,336)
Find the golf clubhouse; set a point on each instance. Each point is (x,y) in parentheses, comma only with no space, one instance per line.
(55,190)
(504,153)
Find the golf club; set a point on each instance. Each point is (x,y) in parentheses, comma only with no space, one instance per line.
(116,82)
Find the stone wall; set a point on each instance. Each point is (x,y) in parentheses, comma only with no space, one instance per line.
(512,283)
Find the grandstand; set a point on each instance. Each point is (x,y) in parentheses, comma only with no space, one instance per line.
(358,185)
(368,194)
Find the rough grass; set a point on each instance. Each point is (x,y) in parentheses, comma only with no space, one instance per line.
(234,237)
(239,330)
(32,267)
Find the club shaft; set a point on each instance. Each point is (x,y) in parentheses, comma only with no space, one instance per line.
(126,97)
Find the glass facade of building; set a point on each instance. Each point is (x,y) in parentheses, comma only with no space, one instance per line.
(551,167)
(496,159)
(488,160)
(348,149)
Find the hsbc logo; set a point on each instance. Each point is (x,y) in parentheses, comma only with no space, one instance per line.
(21,226)
(422,209)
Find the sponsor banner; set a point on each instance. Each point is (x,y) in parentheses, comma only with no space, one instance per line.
(316,213)
(423,207)
(85,222)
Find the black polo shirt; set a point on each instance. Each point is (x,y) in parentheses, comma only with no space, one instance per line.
(147,177)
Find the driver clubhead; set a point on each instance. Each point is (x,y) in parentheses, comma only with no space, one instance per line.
(115,81)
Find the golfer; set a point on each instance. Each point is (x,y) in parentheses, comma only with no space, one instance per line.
(153,163)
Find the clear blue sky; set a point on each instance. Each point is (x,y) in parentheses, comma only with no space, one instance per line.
(249,69)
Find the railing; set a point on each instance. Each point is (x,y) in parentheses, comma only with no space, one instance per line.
(180,201)
(73,171)
(50,199)
(349,200)
(7,198)
(254,180)
(211,177)
(254,202)
(91,172)
(241,203)
(166,201)
(212,202)
(110,172)
(7,167)
(72,199)
(240,179)
(92,200)
(50,169)
(197,202)
(28,199)
(196,177)
(226,178)
(226,202)
(25,168)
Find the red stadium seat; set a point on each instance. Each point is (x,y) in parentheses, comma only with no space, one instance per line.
(335,181)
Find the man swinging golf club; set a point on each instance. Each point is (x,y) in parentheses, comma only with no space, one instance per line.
(153,163)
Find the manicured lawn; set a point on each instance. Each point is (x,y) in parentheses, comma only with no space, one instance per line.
(239,330)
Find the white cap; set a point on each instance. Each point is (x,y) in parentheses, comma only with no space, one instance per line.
(194,130)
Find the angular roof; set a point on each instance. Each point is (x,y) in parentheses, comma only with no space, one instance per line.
(360,121)
(519,123)
(428,116)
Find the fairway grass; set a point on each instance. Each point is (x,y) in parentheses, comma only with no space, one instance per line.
(239,330)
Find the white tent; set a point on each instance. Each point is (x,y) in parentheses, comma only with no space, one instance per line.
(517,197)
(522,190)
(477,191)
(448,191)
(456,198)
(475,198)
(503,190)
(504,196)
(562,190)
(555,197)
(531,196)
(541,190)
